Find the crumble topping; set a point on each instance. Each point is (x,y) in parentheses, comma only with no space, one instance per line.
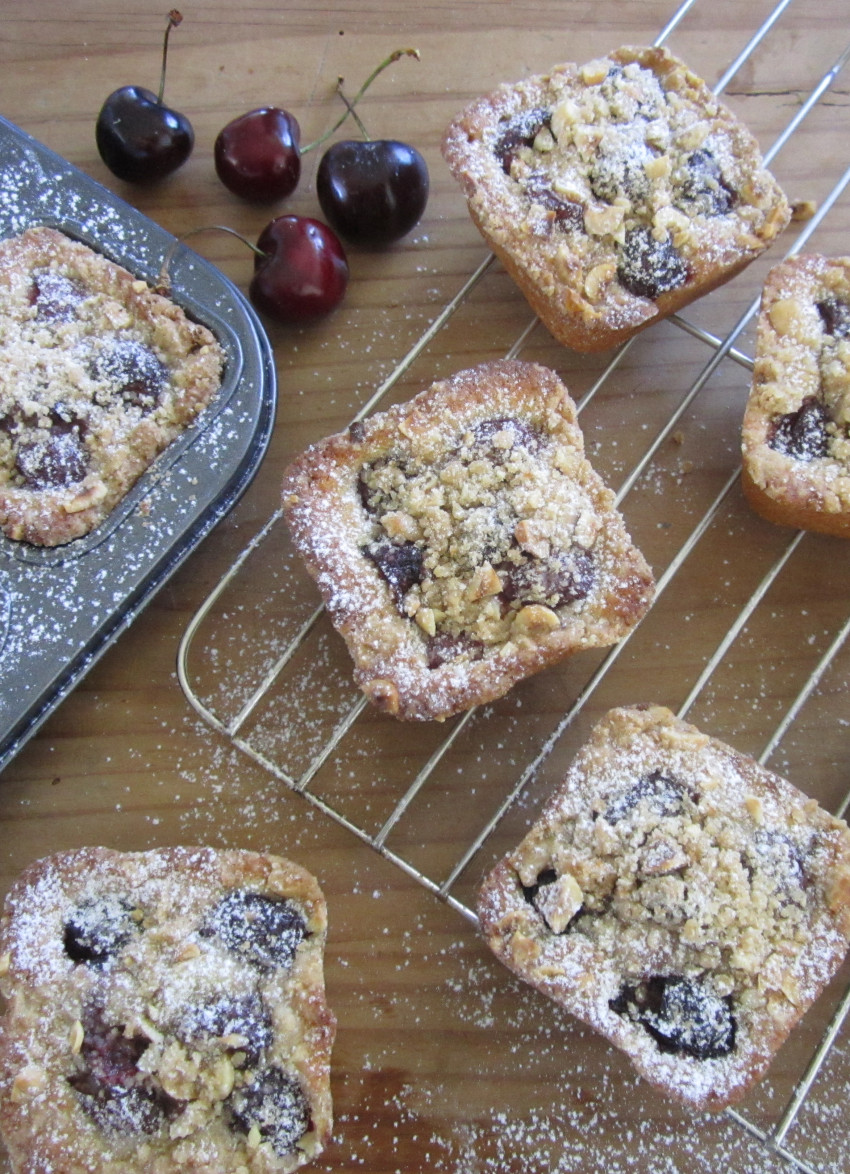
(796,432)
(605,186)
(679,898)
(462,541)
(641,163)
(98,374)
(166,1012)
(497,533)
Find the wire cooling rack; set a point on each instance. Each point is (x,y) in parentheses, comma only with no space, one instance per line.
(748,635)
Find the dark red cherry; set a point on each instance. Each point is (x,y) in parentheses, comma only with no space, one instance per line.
(139,138)
(300,270)
(258,156)
(372,192)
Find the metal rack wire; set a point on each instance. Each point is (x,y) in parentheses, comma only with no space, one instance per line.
(301,772)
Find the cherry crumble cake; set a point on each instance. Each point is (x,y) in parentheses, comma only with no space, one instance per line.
(615,192)
(680,899)
(462,541)
(796,431)
(98,375)
(165,1012)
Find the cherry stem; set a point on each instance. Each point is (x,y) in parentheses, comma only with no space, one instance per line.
(163,281)
(394,56)
(352,111)
(174,19)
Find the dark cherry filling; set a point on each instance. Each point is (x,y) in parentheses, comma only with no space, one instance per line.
(664,795)
(132,371)
(704,189)
(621,170)
(525,435)
(55,297)
(519,131)
(372,499)
(445,647)
(245,1016)
(612,88)
(399,565)
(775,853)
(681,1015)
(649,267)
(561,579)
(55,460)
(111,1089)
(548,876)
(835,316)
(276,1104)
(265,931)
(802,434)
(566,213)
(97,930)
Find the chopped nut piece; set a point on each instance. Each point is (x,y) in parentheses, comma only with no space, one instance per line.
(658,166)
(484,582)
(604,221)
(76,1036)
(787,316)
(189,951)
(803,210)
(223,1078)
(398,524)
(560,901)
(535,619)
(594,72)
(598,277)
(426,621)
(83,501)
(755,807)
(534,537)
(31,1080)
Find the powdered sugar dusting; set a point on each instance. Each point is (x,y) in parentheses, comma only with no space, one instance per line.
(59,608)
(166,1010)
(677,899)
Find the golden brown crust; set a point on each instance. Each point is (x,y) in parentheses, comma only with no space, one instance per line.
(140,1018)
(462,541)
(794,439)
(98,375)
(613,159)
(668,866)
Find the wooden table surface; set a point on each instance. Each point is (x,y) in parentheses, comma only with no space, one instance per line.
(442,1061)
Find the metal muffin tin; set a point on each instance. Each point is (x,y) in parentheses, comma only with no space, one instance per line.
(60,608)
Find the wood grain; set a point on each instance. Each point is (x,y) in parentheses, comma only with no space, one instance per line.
(443,1062)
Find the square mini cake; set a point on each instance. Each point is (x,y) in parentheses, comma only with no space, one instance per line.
(165,1014)
(98,375)
(462,541)
(678,898)
(615,192)
(796,430)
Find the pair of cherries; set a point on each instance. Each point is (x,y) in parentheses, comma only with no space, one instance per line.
(371,192)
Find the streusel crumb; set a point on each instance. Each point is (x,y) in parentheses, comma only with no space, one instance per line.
(680,899)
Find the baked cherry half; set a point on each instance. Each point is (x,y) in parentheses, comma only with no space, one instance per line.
(372,192)
(300,270)
(258,156)
(139,138)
